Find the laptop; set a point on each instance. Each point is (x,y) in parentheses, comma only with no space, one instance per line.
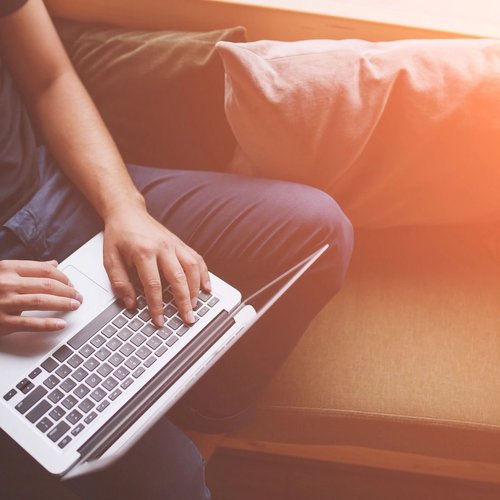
(78,400)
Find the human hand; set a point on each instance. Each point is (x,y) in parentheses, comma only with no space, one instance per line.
(33,286)
(135,240)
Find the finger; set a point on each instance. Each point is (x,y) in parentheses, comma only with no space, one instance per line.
(147,269)
(204,274)
(47,286)
(32,269)
(31,324)
(191,269)
(40,302)
(120,279)
(173,272)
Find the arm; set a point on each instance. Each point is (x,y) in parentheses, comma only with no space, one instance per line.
(84,149)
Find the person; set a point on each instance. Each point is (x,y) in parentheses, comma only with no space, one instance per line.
(161,224)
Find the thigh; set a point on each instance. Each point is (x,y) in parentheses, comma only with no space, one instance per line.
(164,464)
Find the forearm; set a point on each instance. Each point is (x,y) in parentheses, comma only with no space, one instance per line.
(82,146)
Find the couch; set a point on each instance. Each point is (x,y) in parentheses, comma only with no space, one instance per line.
(399,373)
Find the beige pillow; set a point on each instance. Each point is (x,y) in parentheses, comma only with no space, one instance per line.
(399,133)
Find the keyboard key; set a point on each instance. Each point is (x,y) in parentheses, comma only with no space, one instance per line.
(127,383)
(204,296)
(57,413)
(10,395)
(69,401)
(81,391)
(56,395)
(129,314)
(51,381)
(44,425)
(164,332)
(74,416)
(75,360)
(141,302)
(79,374)
(110,383)
(182,330)
(132,362)
(23,384)
(93,380)
(49,365)
(175,323)
(135,324)
(154,342)
(97,394)
(203,311)
(169,310)
(79,428)
(86,350)
(172,340)
(91,364)
(98,340)
(63,353)
(114,344)
(161,351)
(119,321)
(148,329)
(138,339)
(38,411)
(58,431)
(167,296)
(64,442)
(116,359)
(68,385)
(121,373)
(31,399)
(125,334)
(143,352)
(63,371)
(90,417)
(86,405)
(149,361)
(103,406)
(115,394)
(145,316)
(103,353)
(35,373)
(104,370)
(109,330)
(127,349)
(138,372)
(213,301)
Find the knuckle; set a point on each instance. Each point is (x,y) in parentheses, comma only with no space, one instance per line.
(36,301)
(178,277)
(46,269)
(154,284)
(47,285)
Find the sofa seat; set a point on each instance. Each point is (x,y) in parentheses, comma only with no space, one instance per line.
(401,370)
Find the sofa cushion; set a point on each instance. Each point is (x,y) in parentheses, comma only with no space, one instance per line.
(399,133)
(160,93)
(405,359)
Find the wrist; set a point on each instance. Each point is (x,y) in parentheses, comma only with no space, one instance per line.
(119,206)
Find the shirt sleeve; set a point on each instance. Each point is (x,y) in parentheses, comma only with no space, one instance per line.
(9,6)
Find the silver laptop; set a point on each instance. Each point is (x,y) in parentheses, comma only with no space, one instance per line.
(78,400)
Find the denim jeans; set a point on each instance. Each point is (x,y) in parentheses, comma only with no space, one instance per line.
(248,230)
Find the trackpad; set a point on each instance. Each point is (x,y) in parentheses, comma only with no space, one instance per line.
(28,346)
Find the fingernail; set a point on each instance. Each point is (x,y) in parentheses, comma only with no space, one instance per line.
(129,303)
(160,321)
(190,317)
(194,301)
(75,304)
(208,285)
(79,297)
(59,324)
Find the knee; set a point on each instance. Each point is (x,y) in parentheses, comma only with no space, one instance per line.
(322,218)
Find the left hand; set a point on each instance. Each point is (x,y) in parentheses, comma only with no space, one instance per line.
(135,240)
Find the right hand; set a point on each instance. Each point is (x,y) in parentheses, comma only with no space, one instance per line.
(34,286)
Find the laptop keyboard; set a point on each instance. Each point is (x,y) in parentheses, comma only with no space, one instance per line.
(82,378)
